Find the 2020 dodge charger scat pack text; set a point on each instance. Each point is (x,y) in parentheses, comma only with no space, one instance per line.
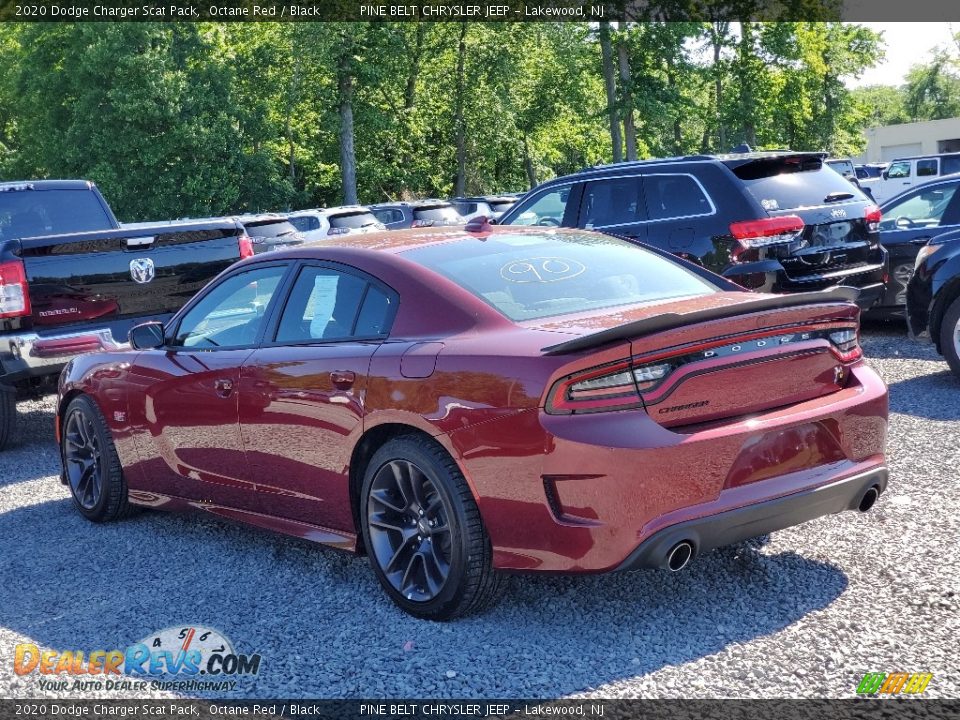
(455,404)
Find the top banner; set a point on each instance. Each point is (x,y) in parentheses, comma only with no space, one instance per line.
(474,10)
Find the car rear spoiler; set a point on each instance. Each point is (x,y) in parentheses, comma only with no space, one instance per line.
(669,321)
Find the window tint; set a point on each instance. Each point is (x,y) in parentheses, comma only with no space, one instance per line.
(673,196)
(269,229)
(304,223)
(532,275)
(441,212)
(612,202)
(790,182)
(500,206)
(924,208)
(353,220)
(388,216)
(926,168)
(545,208)
(950,165)
(232,313)
(899,170)
(327,305)
(25,213)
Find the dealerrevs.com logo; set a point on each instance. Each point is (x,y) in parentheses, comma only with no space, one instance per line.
(176,658)
(894,683)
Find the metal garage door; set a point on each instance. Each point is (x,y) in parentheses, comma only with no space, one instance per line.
(892,152)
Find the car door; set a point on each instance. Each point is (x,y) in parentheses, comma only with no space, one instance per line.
(616,206)
(680,213)
(908,223)
(302,393)
(184,403)
(896,178)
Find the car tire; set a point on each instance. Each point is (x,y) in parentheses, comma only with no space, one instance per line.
(950,336)
(91,465)
(8,414)
(423,533)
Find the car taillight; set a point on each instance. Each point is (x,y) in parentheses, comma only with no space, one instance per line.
(421,223)
(338,231)
(14,294)
(766,231)
(609,387)
(872,215)
(246,246)
(847,344)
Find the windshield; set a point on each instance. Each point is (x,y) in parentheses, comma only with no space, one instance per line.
(530,276)
(28,213)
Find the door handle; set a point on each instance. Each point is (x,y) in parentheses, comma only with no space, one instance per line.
(920,240)
(343,379)
(223,387)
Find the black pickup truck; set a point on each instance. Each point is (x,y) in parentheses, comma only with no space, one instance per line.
(73,280)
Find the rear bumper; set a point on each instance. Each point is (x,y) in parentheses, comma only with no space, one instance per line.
(733,526)
(27,355)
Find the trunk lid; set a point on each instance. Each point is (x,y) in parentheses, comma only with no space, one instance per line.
(713,358)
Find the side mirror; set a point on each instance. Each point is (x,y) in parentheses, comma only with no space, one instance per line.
(885,175)
(147,336)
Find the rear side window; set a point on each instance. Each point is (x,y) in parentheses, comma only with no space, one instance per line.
(791,182)
(388,216)
(27,213)
(528,276)
(950,165)
(439,212)
(329,305)
(674,196)
(353,221)
(926,168)
(613,202)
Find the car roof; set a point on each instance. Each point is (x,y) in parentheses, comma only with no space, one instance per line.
(932,156)
(941,180)
(46,185)
(432,202)
(485,198)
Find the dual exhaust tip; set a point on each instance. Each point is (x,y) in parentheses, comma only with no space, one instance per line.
(680,555)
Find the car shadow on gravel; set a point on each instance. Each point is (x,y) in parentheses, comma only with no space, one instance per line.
(935,396)
(33,446)
(324,628)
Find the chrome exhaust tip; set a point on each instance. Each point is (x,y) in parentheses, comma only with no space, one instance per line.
(869,498)
(680,555)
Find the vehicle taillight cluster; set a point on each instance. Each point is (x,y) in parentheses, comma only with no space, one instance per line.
(608,387)
(14,295)
(754,234)
(846,343)
(872,215)
(246,246)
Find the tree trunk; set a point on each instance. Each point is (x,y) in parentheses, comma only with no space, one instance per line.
(747,101)
(610,84)
(718,32)
(528,164)
(460,125)
(410,92)
(626,86)
(348,158)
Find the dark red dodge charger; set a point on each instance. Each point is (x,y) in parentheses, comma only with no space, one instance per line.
(459,403)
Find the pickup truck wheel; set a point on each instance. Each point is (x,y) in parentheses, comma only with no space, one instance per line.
(91,464)
(950,336)
(8,414)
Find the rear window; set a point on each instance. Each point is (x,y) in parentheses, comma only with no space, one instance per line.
(788,183)
(437,212)
(530,276)
(272,228)
(353,221)
(502,205)
(27,213)
(305,223)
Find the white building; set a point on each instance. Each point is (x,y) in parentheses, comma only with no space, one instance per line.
(889,142)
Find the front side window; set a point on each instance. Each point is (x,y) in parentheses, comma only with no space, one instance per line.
(924,208)
(613,202)
(545,208)
(898,170)
(232,314)
(327,305)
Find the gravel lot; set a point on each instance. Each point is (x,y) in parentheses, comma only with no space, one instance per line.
(804,614)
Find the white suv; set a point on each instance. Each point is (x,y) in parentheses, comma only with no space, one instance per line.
(323,223)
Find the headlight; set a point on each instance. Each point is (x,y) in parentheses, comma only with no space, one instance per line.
(925,252)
